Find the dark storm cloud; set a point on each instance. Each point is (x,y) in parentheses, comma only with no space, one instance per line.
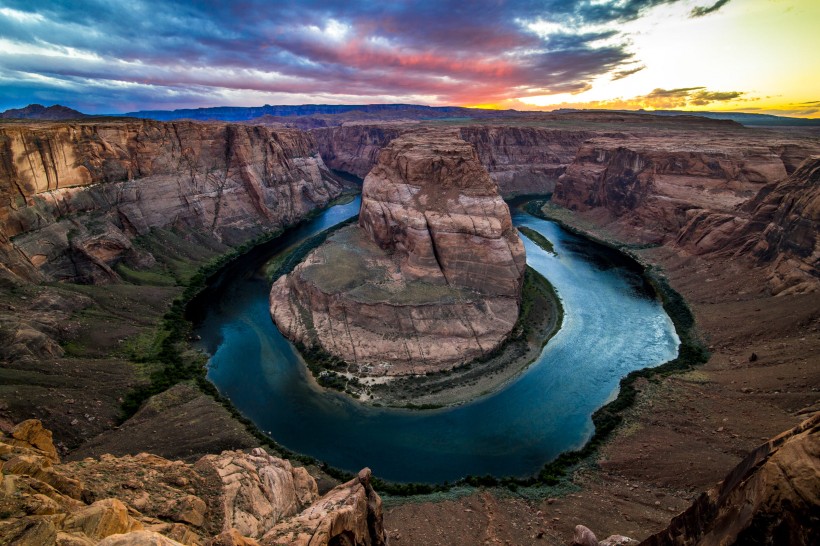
(155,53)
(706,10)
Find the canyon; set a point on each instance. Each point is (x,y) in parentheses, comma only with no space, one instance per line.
(729,213)
(76,195)
(430,278)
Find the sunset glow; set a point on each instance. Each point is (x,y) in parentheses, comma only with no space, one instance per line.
(105,57)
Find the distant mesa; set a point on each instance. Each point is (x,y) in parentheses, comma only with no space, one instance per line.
(48,113)
(431,276)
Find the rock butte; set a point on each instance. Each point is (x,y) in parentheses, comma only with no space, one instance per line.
(430,278)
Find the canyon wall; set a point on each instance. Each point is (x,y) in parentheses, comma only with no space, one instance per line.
(74,196)
(778,228)
(727,195)
(524,160)
(520,160)
(430,278)
(355,148)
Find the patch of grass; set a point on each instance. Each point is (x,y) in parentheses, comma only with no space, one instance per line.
(287,263)
(73,349)
(538,239)
(140,277)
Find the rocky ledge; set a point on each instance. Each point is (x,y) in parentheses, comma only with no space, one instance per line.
(232,499)
(429,279)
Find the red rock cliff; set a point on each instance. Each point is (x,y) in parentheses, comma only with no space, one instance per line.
(72,196)
(519,159)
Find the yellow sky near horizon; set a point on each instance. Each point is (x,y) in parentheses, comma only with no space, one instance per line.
(766,51)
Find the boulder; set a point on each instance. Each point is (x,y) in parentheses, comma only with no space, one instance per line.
(101,519)
(583,537)
(33,433)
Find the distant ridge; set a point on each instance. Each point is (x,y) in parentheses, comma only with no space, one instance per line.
(38,111)
(740,117)
(385,111)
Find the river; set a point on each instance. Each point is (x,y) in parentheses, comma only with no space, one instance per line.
(612,325)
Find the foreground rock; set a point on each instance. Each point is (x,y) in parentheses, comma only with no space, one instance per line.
(430,278)
(769,498)
(234,498)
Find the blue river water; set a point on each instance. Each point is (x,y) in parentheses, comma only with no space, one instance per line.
(612,325)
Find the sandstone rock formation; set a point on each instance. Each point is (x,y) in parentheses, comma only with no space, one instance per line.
(519,159)
(771,497)
(725,196)
(355,148)
(524,160)
(73,196)
(651,182)
(779,230)
(235,498)
(430,278)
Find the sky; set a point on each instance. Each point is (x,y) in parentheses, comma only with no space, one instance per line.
(114,56)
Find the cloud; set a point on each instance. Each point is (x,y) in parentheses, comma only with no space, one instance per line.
(686,97)
(625,73)
(683,98)
(700,11)
(157,52)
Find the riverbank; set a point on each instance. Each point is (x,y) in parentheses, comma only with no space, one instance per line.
(540,318)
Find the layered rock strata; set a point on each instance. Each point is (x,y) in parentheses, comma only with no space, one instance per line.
(355,148)
(778,228)
(729,196)
(652,181)
(235,498)
(524,160)
(73,196)
(520,160)
(771,497)
(430,278)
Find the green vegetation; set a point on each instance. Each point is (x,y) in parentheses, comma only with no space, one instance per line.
(538,239)
(144,277)
(168,358)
